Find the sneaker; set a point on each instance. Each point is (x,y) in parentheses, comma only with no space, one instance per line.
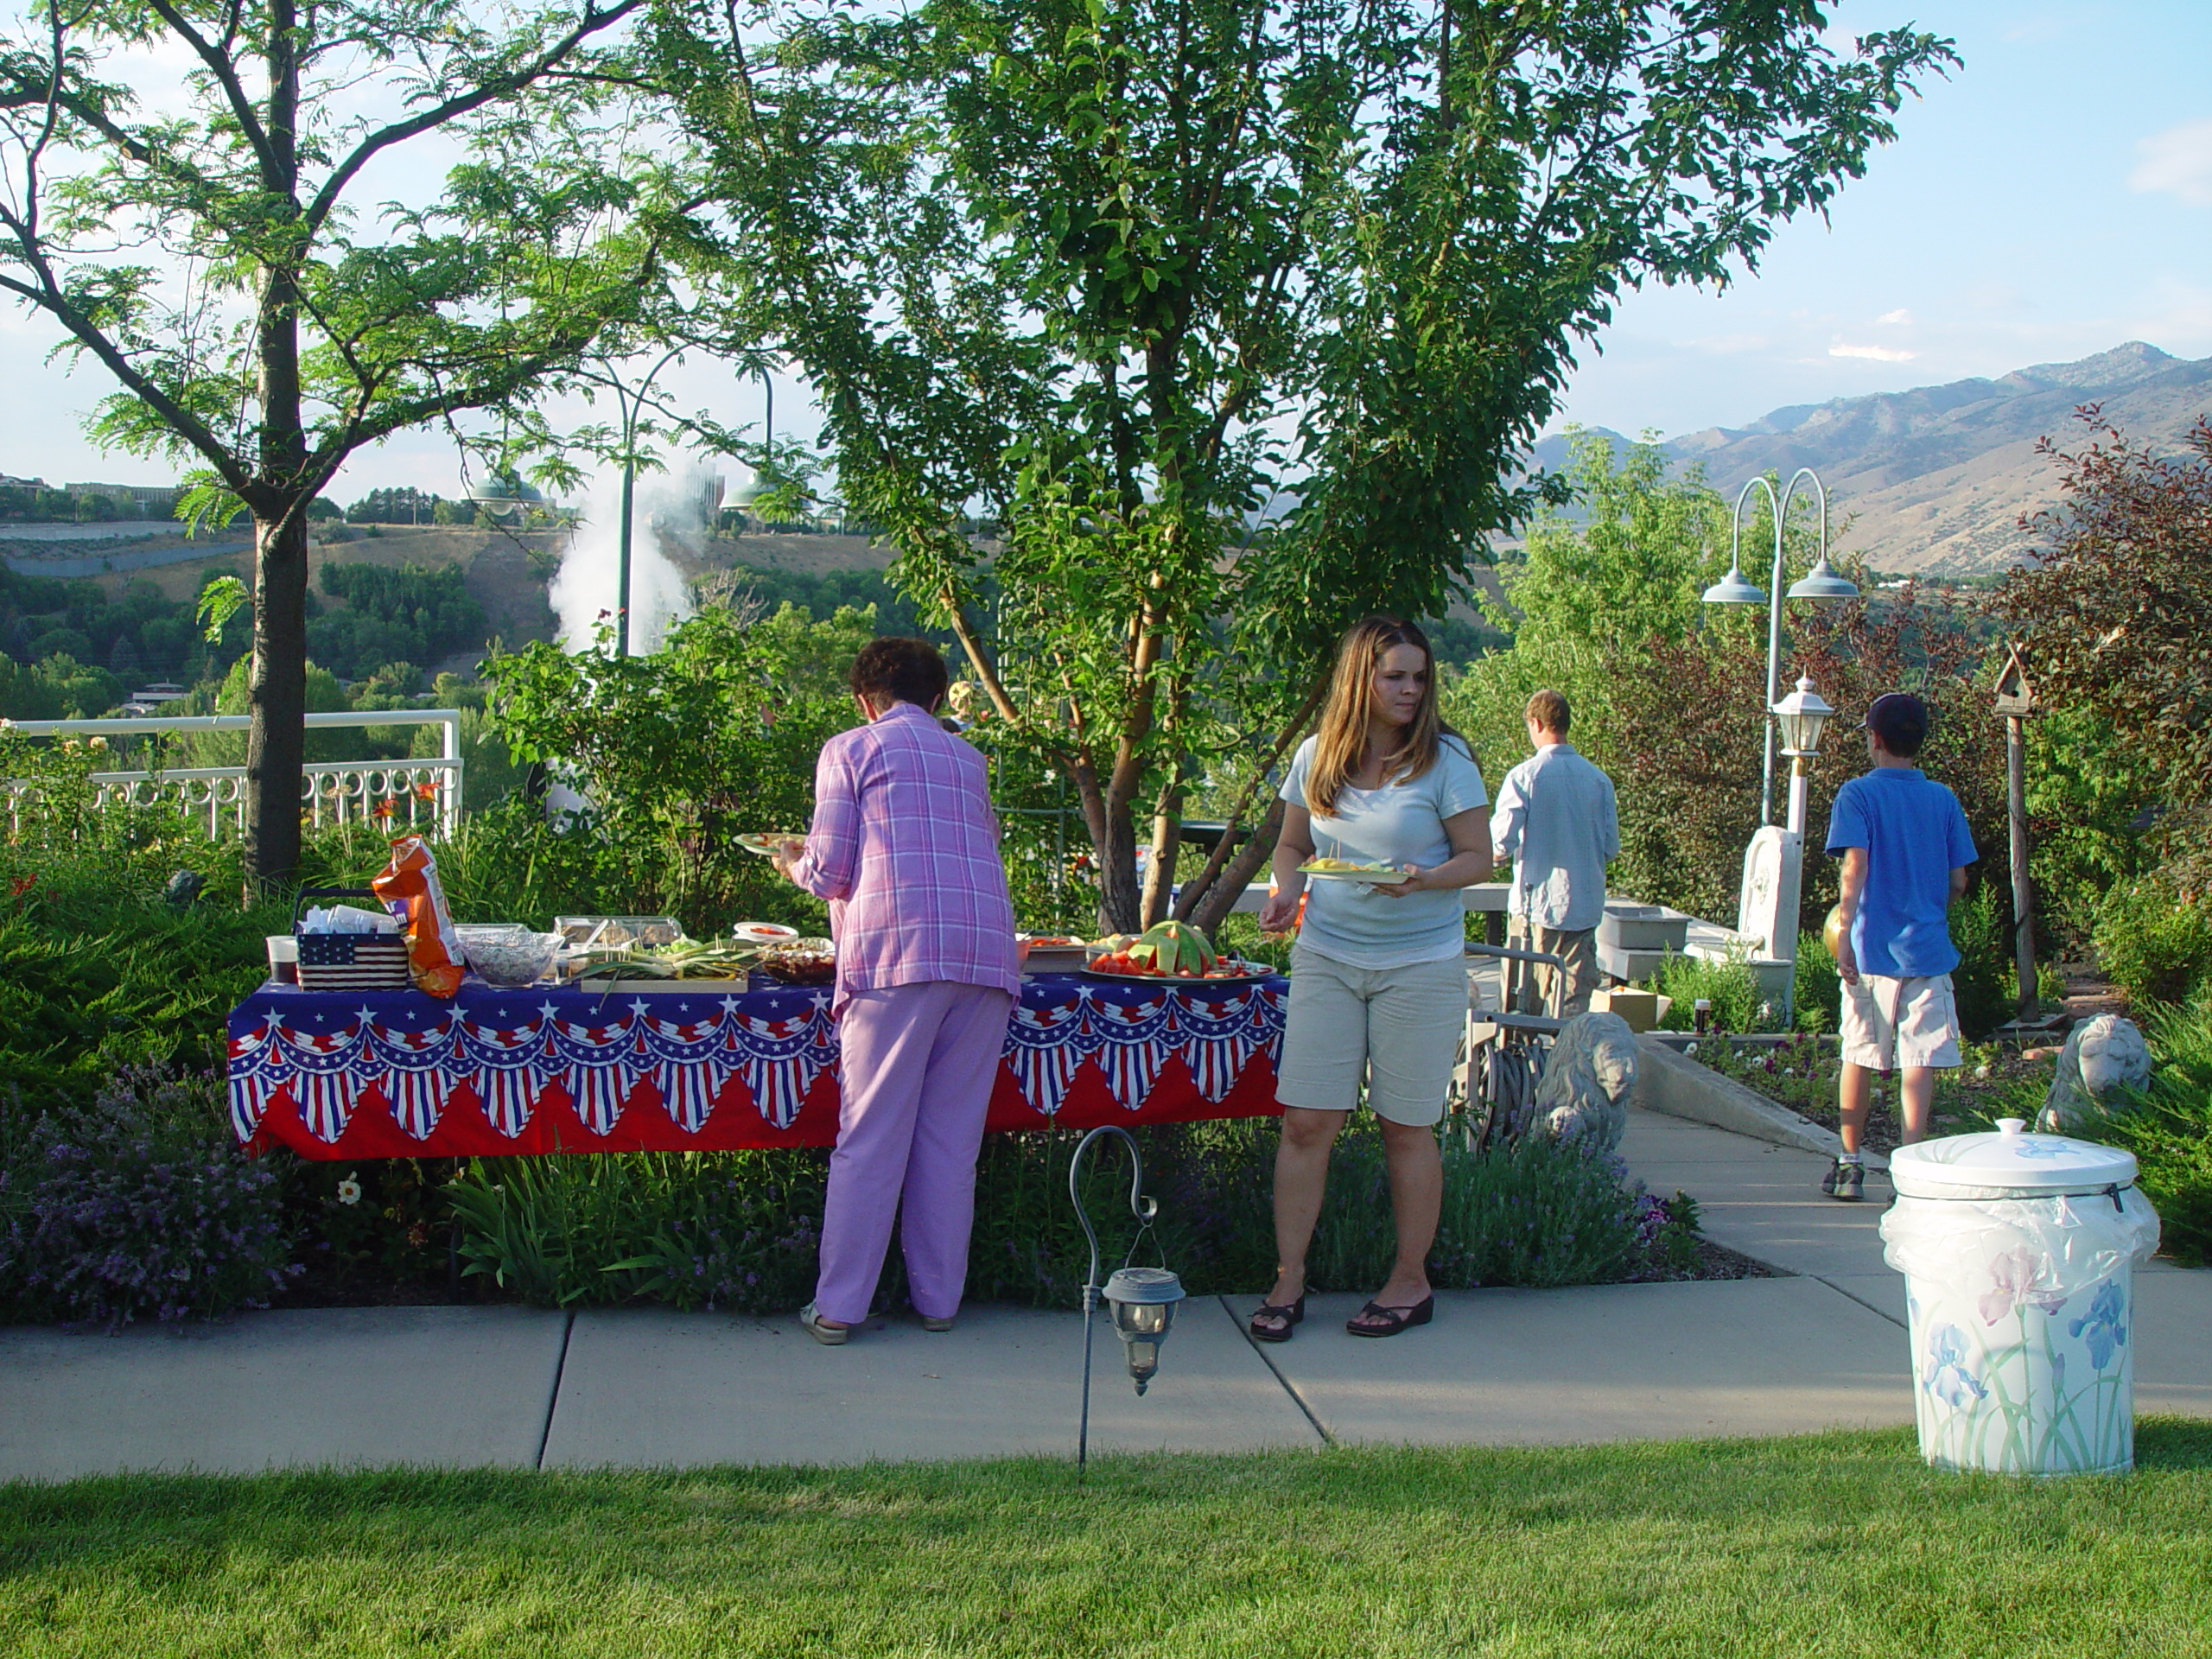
(1845,1181)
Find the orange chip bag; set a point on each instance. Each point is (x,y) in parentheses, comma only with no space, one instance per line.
(410,885)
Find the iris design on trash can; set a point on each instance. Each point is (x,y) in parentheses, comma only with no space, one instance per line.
(1946,1376)
(2100,1328)
(2019,1279)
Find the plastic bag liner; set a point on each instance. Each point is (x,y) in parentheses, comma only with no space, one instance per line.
(2022,1324)
(410,885)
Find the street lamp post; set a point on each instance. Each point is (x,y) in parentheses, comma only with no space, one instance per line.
(632,405)
(1820,584)
(1774,863)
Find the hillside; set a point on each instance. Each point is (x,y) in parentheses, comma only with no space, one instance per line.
(1934,480)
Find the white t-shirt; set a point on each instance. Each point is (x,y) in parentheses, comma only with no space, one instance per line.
(1399,824)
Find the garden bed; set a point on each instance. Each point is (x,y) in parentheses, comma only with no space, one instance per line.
(1800,1072)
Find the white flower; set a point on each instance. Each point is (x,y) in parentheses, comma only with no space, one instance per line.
(1982,1072)
(1689,1048)
(349,1191)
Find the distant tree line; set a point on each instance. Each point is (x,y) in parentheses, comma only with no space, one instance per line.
(68,651)
(410,616)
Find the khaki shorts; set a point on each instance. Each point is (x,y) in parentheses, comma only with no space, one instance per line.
(1396,1029)
(1891,1023)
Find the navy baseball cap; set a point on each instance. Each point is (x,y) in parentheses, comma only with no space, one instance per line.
(1899,719)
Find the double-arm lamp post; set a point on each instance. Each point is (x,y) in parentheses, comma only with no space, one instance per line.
(1773,875)
(1820,584)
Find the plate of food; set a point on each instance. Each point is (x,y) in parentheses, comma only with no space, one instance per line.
(1168,953)
(1348,869)
(802,962)
(766,843)
(1050,953)
(1143,973)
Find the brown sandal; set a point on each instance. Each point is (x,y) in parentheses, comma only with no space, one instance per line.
(1395,1319)
(1289,1313)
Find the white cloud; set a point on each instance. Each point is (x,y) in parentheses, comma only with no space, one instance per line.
(2179,160)
(1900,318)
(1879,354)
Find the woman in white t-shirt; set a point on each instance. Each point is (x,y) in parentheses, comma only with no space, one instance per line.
(1378,988)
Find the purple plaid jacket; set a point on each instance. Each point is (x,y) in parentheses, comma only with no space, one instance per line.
(905,847)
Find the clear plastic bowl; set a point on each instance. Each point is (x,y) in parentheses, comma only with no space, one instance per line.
(509,954)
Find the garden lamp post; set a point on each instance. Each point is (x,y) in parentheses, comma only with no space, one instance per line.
(1801,715)
(1820,584)
(1142,1299)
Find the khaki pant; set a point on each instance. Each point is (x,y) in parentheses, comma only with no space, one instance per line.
(1395,1030)
(1576,947)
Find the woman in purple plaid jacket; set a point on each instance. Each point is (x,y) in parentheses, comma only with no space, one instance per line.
(905,847)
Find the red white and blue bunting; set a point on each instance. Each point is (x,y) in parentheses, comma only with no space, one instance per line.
(396,1073)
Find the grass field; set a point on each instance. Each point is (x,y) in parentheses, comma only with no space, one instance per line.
(1836,1545)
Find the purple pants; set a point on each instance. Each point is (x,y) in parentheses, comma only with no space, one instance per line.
(919,1062)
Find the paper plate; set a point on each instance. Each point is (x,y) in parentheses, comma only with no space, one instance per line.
(765,845)
(1373,878)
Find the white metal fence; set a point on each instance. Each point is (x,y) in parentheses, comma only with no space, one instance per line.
(423,792)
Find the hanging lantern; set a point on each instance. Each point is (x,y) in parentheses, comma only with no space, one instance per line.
(1142,1301)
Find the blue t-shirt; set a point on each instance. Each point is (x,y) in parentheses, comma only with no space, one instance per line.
(1399,824)
(1915,834)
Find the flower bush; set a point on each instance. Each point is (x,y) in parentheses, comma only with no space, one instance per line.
(737,1230)
(139,1207)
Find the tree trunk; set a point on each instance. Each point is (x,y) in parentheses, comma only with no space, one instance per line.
(276,691)
(1120,904)
(1159,870)
(1214,906)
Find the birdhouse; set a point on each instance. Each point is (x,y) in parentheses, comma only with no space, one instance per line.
(2015,696)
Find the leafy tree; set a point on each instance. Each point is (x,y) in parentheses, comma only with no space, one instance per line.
(1120,276)
(208,249)
(677,754)
(2117,607)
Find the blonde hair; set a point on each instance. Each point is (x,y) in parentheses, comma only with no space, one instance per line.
(1341,744)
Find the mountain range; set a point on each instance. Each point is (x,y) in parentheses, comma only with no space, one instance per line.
(1934,480)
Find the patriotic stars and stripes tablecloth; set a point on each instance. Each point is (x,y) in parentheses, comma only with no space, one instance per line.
(397,1074)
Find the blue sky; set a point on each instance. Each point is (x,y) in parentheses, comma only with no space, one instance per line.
(2051,200)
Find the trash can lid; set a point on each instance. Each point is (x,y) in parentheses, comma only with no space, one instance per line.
(2010,1161)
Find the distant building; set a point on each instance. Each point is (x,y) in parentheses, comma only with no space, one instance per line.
(8,483)
(136,500)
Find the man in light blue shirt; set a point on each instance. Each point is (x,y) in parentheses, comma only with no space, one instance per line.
(1557,820)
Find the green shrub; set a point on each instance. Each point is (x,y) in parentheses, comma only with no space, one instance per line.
(1818,990)
(2154,940)
(1982,984)
(737,1230)
(1729,986)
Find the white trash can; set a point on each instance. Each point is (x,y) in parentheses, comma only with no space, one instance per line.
(2019,1252)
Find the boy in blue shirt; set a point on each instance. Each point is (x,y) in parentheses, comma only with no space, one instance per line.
(1904,845)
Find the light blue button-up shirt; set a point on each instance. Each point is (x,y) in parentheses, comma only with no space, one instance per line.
(1557,821)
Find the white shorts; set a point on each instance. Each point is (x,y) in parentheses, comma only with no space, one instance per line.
(1395,1029)
(1889,1024)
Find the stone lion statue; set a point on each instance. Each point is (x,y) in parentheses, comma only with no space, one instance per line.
(2101,1055)
(1584,1094)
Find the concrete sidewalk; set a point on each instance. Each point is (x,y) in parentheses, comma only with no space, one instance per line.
(455,1387)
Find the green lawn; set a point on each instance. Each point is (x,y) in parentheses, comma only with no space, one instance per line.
(1842,1544)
